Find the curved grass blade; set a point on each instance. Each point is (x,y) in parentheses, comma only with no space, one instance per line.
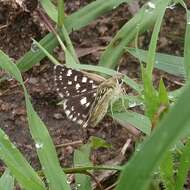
(72,63)
(142,21)
(187,47)
(72,22)
(139,121)
(81,157)
(138,170)
(6,181)
(44,145)
(165,62)
(18,165)
(184,166)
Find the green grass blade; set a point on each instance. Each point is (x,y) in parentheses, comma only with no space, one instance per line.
(72,22)
(138,170)
(167,171)
(187,47)
(168,63)
(184,166)
(81,157)
(19,167)
(154,38)
(61,13)
(71,63)
(139,121)
(45,148)
(143,20)
(150,94)
(32,57)
(6,181)
(50,9)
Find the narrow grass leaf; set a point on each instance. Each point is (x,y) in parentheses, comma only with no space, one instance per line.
(81,157)
(167,171)
(71,63)
(96,142)
(86,14)
(90,12)
(138,170)
(187,47)
(61,13)
(139,121)
(154,38)
(163,95)
(50,9)
(184,166)
(168,63)
(45,148)
(142,21)
(150,94)
(19,167)
(6,181)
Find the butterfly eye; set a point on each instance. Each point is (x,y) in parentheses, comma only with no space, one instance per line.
(120,81)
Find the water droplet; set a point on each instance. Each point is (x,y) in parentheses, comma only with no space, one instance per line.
(6,137)
(132,104)
(39,145)
(172,6)
(151,5)
(34,47)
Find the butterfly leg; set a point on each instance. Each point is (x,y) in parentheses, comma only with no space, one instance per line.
(85,135)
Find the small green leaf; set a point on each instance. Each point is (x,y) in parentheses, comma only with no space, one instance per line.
(6,181)
(163,95)
(167,171)
(139,121)
(96,142)
(81,158)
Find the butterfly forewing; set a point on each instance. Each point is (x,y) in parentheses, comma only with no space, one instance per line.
(78,92)
(69,82)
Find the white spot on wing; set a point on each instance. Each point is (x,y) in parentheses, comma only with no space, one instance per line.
(80,121)
(71,116)
(84,79)
(91,81)
(69,72)
(60,77)
(77,86)
(75,78)
(83,100)
(61,95)
(87,104)
(69,82)
(84,90)
(67,112)
(84,116)
(94,86)
(74,119)
(65,104)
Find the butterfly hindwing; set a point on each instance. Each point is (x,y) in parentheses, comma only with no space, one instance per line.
(77,108)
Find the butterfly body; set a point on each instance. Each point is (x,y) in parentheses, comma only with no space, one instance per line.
(86,100)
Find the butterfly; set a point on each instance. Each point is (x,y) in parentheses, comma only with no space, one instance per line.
(86,96)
